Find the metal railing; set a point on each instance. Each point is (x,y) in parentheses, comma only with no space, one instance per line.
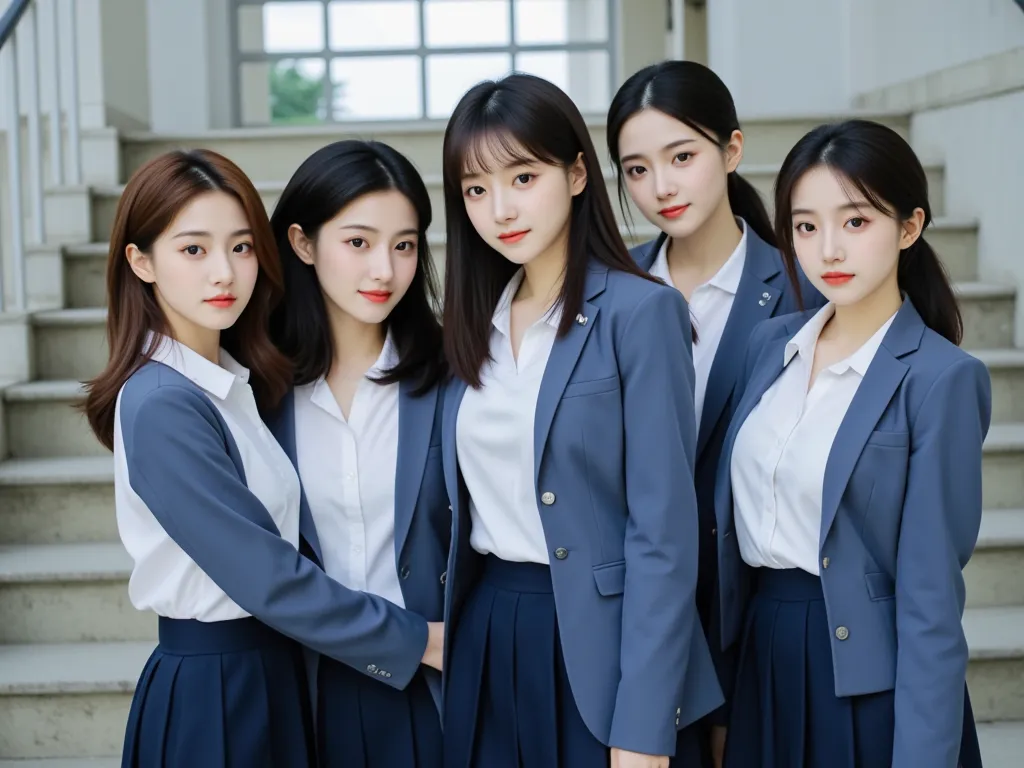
(29,26)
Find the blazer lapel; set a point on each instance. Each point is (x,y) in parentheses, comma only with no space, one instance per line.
(646,254)
(454,392)
(283,428)
(415,424)
(756,298)
(564,354)
(880,382)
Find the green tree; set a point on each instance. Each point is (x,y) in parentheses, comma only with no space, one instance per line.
(294,96)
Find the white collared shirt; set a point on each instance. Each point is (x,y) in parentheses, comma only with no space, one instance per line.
(165,580)
(348,468)
(494,438)
(710,305)
(780,454)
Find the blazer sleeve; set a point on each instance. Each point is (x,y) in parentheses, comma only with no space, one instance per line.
(938,532)
(659,614)
(178,465)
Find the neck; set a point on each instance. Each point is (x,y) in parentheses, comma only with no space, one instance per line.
(202,341)
(357,345)
(859,322)
(707,249)
(544,274)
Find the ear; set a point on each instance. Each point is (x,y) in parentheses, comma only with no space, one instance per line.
(911,228)
(578,175)
(140,263)
(734,152)
(301,244)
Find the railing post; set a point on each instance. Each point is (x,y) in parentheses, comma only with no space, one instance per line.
(74,149)
(9,67)
(56,131)
(27,35)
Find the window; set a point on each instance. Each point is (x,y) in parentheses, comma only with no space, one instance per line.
(312,61)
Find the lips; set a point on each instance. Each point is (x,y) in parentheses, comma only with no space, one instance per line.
(837,278)
(513,237)
(224,301)
(674,212)
(377,297)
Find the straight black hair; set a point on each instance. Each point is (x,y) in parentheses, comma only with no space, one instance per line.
(692,94)
(332,178)
(520,118)
(877,162)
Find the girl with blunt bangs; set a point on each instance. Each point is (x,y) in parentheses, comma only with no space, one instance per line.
(568,442)
(362,427)
(849,492)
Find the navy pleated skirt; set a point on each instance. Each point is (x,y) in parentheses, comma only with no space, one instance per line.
(508,703)
(362,723)
(785,713)
(226,694)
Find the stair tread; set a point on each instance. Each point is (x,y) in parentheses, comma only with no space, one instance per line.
(973,289)
(44,390)
(86,561)
(64,470)
(1001,743)
(79,316)
(63,762)
(1001,529)
(41,669)
(1000,358)
(1005,437)
(995,633)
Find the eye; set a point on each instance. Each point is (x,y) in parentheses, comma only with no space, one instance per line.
(525,178)
(857,222)
(474,191)
(192,250)
(243,248)
(682,157)
(636,171)
(406,245)
(805,227)
(357,242)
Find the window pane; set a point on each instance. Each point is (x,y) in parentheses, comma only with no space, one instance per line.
(583,75)
(297,91)
(250,28)
(466,23)
(360,26)
(291,27)
(376,88)
(561,21)
(450,76)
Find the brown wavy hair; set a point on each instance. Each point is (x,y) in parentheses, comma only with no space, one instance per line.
(156,193)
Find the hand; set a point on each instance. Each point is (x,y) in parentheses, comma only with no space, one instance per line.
(622,758)
(718,744)
(433,656)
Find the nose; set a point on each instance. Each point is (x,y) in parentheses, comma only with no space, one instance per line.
(831,247)
(664,185)
(504,209)
(222,269)
(381,269)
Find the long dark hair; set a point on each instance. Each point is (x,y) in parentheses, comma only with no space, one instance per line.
(329,180)
(692,94)
(520,118)
(880,164)
(156,193)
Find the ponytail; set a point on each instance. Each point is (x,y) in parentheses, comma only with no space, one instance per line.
(746,203)
(923,278)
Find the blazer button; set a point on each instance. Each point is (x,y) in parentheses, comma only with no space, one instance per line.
(842,633)
(824,562)
(444,578)
(404,573)
(547,498)
(372,669)
(561,553)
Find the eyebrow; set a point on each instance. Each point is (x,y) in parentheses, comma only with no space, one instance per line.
(368,228)
(506,167)
(199,233)
(672,145)
(848,207)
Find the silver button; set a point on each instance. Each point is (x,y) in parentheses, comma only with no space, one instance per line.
(842,633)
(581,319)
(766,295)
(762,302)
(405,572)
(372,669)
(449,507)
(444,577)
(824,562)
(547,498)
(561,553)
(386,674)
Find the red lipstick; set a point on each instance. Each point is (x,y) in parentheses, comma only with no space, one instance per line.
(377,297)
(837,278)
(674,212)
(513,237)
(222,301)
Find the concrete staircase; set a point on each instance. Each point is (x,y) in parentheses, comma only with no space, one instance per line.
(71,645)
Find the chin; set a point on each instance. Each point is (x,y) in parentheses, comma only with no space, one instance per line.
(218,320)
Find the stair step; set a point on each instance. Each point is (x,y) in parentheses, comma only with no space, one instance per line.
(70,343)
(995,676)
(1003,467)
(64,762)
(1002,744)
(1006,367)
(995,574)
(59,500)
(67,700)
(42,418)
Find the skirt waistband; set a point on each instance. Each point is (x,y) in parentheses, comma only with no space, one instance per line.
(516,577)
(190,637)
(787,584)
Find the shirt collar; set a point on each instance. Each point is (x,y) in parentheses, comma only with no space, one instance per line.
(320,391)
(216,380)
(806,339)
(728,276)
(502,318)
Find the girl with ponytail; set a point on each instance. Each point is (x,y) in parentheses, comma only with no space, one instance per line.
(849,492)
(676,143)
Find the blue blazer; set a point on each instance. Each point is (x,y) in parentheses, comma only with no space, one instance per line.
(764,291)
(901,508)
(422,513)
(185,465)
(614,442)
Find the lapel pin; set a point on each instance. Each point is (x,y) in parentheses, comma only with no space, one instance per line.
(581,319)
(766,295)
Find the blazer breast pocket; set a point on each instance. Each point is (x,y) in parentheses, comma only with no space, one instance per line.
(611,578)
(886,439)
(592,387)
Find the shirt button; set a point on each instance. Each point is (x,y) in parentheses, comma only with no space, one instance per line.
(405,572)
(714,531)
(842,633)
(547,498)
(561,553)
(824,562)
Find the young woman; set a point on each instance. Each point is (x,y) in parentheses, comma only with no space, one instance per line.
(849,493)
(676,143)
(207,502)
(568,444)
(363,428)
